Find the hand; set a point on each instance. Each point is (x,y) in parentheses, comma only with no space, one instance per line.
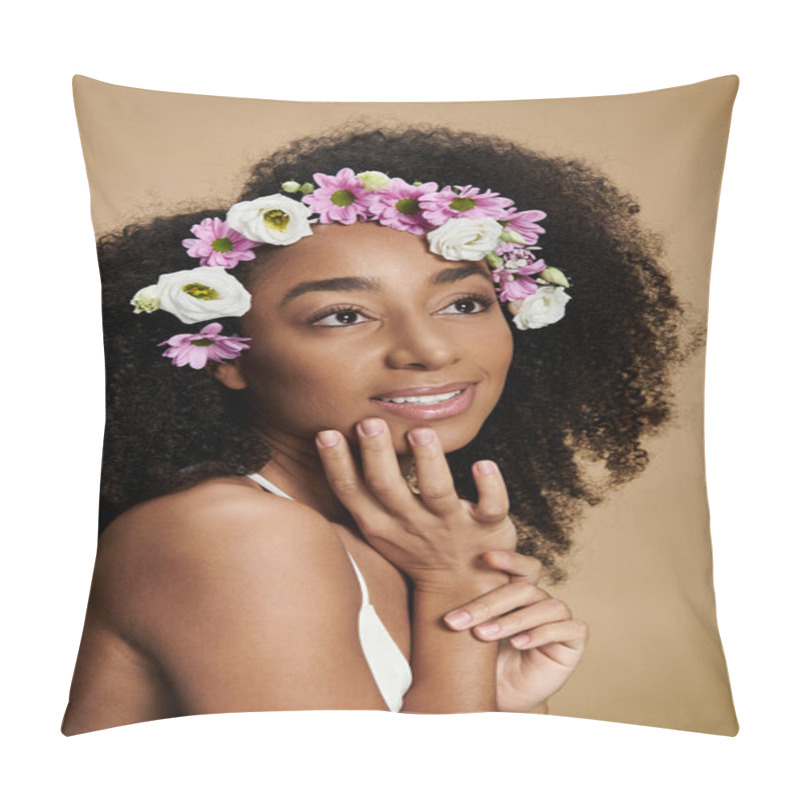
(435,538)
(540,643)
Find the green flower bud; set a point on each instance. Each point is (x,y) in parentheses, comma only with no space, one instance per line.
(307,188)
(511,236)
(494,260)
(556,276)
(291,187)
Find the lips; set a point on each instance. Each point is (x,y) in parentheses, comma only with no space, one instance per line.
(446,400)
(422,391)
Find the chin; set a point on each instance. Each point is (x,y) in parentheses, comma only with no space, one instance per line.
(453,440)
(453,434)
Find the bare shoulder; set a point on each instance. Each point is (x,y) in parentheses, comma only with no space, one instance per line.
(217,517)
(244,600)
(216,506)
(209,538)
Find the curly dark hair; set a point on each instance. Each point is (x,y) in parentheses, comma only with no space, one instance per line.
(588,388)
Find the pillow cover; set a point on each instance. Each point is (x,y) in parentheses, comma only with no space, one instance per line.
(617,507)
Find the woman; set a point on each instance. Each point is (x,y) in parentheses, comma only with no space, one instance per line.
(266,549)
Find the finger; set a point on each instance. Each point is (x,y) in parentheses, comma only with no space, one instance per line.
(496,603)
(522,567)
(343,477)
(381,469)
(543,612)
(492,505)
(558,640)
(434,479)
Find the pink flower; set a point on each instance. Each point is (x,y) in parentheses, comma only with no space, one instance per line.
(340,198)
(514,278)
(219,245)
(464,201)
(524,223)
(196,349)
(397,206)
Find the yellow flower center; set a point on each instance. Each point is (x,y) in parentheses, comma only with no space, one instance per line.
(462,203)
(222,245)
(276,219)
(341,197)
(200,291)
(407,205)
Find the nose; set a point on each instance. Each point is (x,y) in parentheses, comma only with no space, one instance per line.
(421,344)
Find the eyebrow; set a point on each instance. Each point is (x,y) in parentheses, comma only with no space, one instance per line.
(449,275)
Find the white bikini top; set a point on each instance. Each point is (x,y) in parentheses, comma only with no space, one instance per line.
(389,667)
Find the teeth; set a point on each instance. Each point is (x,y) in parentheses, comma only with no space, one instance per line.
(426,400)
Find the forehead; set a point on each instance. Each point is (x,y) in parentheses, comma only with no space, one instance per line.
(363,249)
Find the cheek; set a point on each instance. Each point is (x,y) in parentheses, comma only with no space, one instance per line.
(304,389)
(494,348)
(296,373)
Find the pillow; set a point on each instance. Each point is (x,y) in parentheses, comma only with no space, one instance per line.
(599,437)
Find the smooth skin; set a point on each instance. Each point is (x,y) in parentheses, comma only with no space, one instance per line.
(218,598)
(442,538)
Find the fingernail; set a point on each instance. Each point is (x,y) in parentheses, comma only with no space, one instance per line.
(458,619)
(488,629)
(486,467)
(327,438)
(521,640)
(372,427)
(421,436)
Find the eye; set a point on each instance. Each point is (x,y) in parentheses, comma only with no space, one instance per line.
(339,318)
(469,304)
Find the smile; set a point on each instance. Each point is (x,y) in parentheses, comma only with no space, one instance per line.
(428,402)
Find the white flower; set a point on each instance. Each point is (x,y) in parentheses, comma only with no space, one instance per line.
(545,307)
(462,239)
(276,219)
(146,300)
(196,295)
(373,180)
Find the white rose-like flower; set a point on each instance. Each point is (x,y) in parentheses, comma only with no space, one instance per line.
(545,307)
(373,180)
(462,239)
(275,219)
(197,295)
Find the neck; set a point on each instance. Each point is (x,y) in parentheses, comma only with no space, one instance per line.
(295,467)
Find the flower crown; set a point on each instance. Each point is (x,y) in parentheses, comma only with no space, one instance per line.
(461,223)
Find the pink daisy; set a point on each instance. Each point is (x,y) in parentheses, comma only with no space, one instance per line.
(514,277)
(524,223)
(464,201)
(219,245)
(397,206)
(196,349)
(339,198)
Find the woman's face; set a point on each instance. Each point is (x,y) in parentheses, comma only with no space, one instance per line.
(363,321)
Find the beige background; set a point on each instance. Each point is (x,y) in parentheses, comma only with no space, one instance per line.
(641,572)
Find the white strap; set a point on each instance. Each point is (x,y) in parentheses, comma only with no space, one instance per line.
(362,583)
(268,485)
